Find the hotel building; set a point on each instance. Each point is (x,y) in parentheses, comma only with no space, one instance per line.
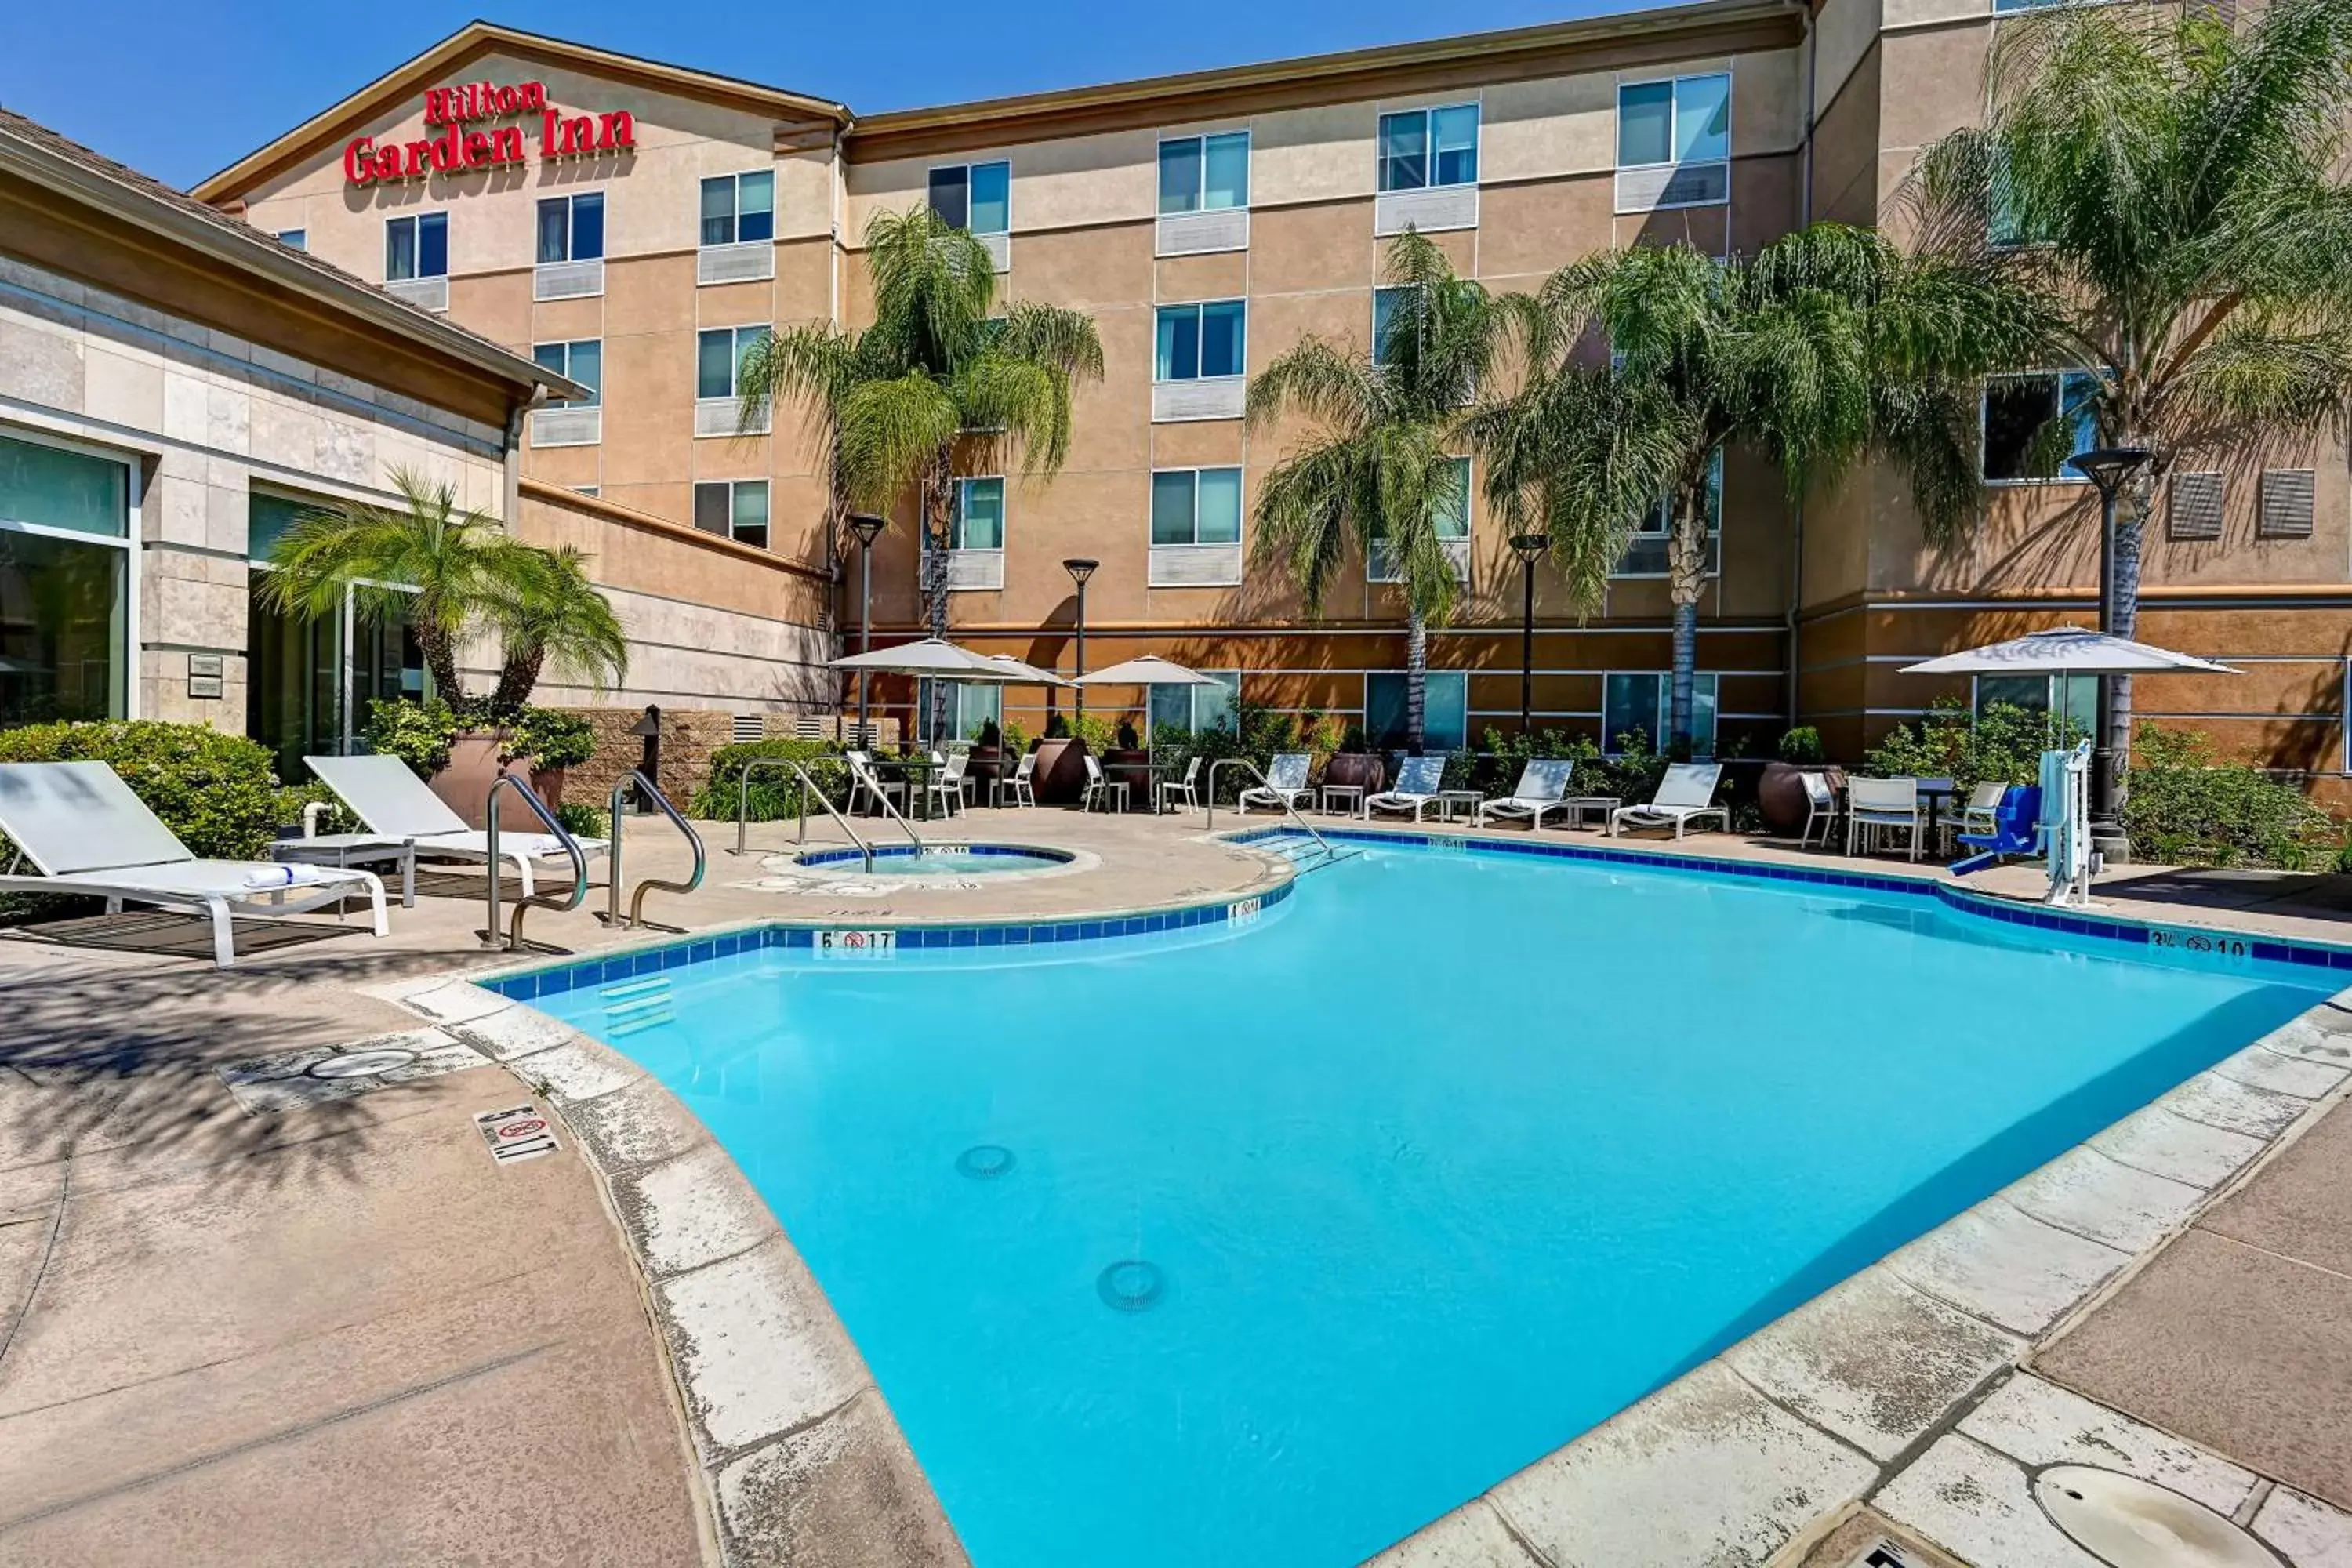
(633,226)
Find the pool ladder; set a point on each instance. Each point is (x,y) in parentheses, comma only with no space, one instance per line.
(1330,857)
(809,787)
(612,915)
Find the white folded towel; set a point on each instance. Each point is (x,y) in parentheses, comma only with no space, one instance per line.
(279,875)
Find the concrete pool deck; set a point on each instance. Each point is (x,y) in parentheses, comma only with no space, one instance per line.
(378,1217)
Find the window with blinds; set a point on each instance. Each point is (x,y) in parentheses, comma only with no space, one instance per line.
(2286,504)
(2195,507)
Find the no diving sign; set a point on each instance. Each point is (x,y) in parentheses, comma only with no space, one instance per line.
(524,1132)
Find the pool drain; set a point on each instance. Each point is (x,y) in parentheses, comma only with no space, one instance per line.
(1131,1285)
(984,1161)
(362,1064)
(2127,1522)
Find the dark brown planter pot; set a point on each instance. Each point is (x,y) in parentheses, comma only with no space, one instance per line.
(1359,768)
(1133,769)
(473,766)
(1061,772)
(1781,794)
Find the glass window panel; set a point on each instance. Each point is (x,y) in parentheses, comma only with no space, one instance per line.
(991,198)
(1384,709)
(2031,692)
(1702,690)
(1177,356)
(750,512)
(952,194)
(2015,406)
(62,629)
(294,238)
(399,248)
(1169,705)
(433,245)
(2081,391)
(1456,131)
(718,210)
(1645,113)
(554,229)
(2076,702)
(1213,706)
(1445,711)
(1172,506)
(267,516)
(588,226)
(980,525)
(1453,515)
(715,363)
(1703,119)
(1384,310)
(755,205)
(1218,520)
(1179,175)
(52,487)
(550,356)
(1226,182)
(1404,151)
(711,508)
(1629,702)
(1221,338)
(588,370)
(746,339)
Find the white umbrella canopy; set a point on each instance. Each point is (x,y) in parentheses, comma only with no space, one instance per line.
(933,656)
(1014,672)
(1149,669)
(2068,650)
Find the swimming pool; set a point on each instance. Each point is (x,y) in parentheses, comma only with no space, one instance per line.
(1272,1241)
(940,860)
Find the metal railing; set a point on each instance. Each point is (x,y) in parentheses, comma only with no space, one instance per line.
(1322,843)
(513,937)
(808,787)
(637,917)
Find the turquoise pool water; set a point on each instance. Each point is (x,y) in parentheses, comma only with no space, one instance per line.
(940,860)
(1270,1244)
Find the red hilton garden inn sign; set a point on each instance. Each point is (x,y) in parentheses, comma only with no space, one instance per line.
(461,113)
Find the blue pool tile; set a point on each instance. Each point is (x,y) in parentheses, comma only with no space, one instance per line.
(645,963)
(992,936)
(1089,930)
(615,969)
(702,951)
(966,936)
(1016,936)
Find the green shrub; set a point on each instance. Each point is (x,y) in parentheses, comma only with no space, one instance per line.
(419,733)
(583,821)
(215,791)
(2002,745)
(775,794)
(2185,807)
(548,739)
(1802,746)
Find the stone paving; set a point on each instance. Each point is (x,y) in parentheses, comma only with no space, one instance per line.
(354,1280)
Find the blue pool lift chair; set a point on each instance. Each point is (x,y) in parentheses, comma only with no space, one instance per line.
(2016,830)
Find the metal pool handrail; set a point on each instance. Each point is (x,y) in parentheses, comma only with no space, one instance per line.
(808,788)
(513,938)
(612,879)
(1321,842)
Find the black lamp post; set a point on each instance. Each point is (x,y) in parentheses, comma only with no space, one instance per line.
(2109,468)
(1080,569)
(1529,548)
(866,525)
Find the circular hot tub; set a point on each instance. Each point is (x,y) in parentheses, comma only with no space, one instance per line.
(952,861)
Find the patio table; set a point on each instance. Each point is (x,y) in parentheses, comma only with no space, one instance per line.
(917,772)
(343,850)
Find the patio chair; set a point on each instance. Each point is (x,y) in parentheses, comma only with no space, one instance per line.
(944,792)
(1873,806)
(1285,783)
(1542,787)
(84,832)
(1021,786)
(1186,789)
(1820,806)
(1984,805)
(1684,795)
(1100,788)
(865,783)
(1417,784)
(395,803)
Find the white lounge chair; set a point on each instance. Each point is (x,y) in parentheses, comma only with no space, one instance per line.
(1417,784)
(1285,783)
(1542,787)
(395,803)
(81,826)
(1684,795)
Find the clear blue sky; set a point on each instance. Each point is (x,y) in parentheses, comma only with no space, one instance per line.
(179,89)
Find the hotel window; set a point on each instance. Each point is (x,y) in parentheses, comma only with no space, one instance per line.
(718,357)
(1204,173)
(1384,308)
(581,361)
(2071,699)
(294,238)
(1197,343)
(979,521)
(571,229)
(977,197)
(1444,712)
(1196,506)
(1646,553)
(66,603)
(1193,709)
(738,208)
(2021,416)
(1451,527)
(415,246)
(1646,702)
(1673,142)
(733,509)
(1423,148)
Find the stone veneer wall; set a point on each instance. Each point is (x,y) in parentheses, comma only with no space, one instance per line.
(689,736)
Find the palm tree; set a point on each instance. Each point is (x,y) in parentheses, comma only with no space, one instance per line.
(1826,345)
(1382,467)
(2178,187)
(553,610)
(445,569)
(939,380)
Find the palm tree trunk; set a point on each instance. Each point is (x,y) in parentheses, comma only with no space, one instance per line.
(1416,682)
(939,519)
(440,660)
(2133,506)
(1685,580)
(517,677)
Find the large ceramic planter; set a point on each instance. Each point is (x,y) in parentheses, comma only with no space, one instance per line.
(1362,769)
(1781,795)
(1131,767)
(474,765)
(1061,775)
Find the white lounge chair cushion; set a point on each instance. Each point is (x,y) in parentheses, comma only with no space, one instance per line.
(1418,780)
(80,817)
(387,796)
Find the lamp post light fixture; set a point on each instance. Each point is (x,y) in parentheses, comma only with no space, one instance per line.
(867,526)
(2109,468)
(1080,569)
(1529,548)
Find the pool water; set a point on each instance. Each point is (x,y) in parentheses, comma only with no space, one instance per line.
(939,859)
(1270,1245)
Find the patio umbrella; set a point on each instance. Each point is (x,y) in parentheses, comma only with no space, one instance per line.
(933,659)
(1017,673)
(2068,650)
(1148,670)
